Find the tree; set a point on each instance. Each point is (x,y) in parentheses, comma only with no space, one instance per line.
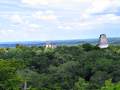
(81,84)
(87,47)
(9,79)
(111,86)
(26,77)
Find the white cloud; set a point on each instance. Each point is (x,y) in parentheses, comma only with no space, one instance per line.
(108,18)
(55,3)
(90,6)
(41,2)
(82,15)
(5,32)
(65,27)
(46,15)
(91,21)
(35,26)
(86,18)
(17,19)
(100,6)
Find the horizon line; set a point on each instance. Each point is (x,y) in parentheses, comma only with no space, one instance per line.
(52,40)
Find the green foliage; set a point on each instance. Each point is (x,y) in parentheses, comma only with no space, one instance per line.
(83,67)
(87,47)
(110,86)
(81,85)
(9,80)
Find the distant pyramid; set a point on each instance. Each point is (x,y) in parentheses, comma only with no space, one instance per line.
(50,45)
(103,41)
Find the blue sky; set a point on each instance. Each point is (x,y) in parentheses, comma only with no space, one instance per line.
(28,20)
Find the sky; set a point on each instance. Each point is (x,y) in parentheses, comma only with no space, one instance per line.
(41,20)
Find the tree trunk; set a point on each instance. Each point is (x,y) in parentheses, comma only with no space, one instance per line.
(25,85)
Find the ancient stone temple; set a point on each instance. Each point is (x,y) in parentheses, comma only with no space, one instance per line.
(50,45)
(103,41)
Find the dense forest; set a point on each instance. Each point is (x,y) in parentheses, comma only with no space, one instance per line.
(81,67)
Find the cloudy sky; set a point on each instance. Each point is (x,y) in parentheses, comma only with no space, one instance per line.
(27,20)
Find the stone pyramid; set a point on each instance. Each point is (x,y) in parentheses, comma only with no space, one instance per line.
(103,41)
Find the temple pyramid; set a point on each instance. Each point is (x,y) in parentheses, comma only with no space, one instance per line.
(103,41)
